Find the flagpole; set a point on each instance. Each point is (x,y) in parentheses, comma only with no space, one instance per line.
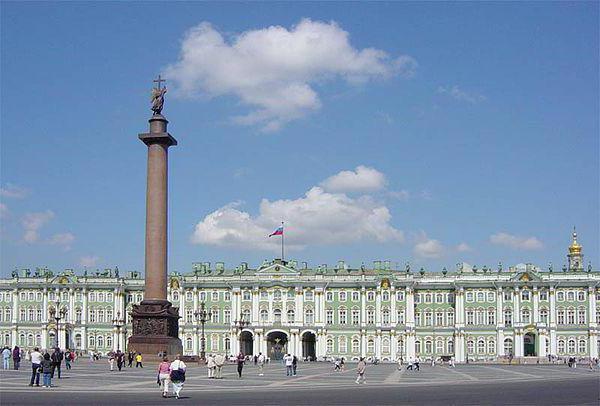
(282,233)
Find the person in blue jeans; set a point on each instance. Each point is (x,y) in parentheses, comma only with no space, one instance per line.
(47,367)
(36,363)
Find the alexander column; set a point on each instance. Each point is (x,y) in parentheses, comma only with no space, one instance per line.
(155,321)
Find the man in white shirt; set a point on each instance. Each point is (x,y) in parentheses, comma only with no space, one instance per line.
(36,363)
(289,362)
(219,362)
(6,354)
(178,368)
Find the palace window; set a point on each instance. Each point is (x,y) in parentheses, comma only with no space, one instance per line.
(23,296)
(329,296)
(277,295)
(439,298)
(329,316)
(543,294)
(370,296)
(439,319)
(598,295)
(92,316)
(418,347)
(385,296)
(400,295)
(39,315)
(450,347)
(109,315)
(385,345)
(400,315)
(30,296)
(480,317)
(507,295)
(189,315)
(264,295)
(227,316)
(581,296)
(417,298)
(480,297)
(508,347)
(355,345)
(480,346)
(544,316)
(92,341)
(264,316)
(227,296)
(30,314)
(525,316)
(469,296)
(342,315)
(22,315)
(355,317)
(571,296)
(508,317)
(309,316)
(92,296)
(370,316)
(525,296)
(417,318)
(560,296)
(450,297)
(598,315)
(428,298)
(227,346)
(491,347)
(309,295)
(470,317)
(100,315)
(428,347)
(77,315)
(561,346)
(582,346)
(560,316)
(188,344)
(439,346)
(247,295)
(385,315)
(370,345)
(291,316)
(571,346)
(342,296)
(571,316)
(109,297)
(189,296)
(214,342)
(355,296)
(342,344)
(330,345)
(277,316)
(490,296)
(291,293)
(450,318)
(100,341)
(400,346)
(246,314)
(491,317)
(470,347)
(581,316)
(214,296)
(203,296)
(428,318)
(101,297)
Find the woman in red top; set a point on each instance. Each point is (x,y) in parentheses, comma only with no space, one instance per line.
(163,379)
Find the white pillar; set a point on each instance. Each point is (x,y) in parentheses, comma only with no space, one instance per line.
(516,309)
(541,343)
(459,317)
(499,307)
(536,305)
(500,343)
(553,343)
(378,307)
(255,309)
(363,307)
(518,344)
(591,307)
(15,311)
(394,315)
(410,309)
(409,343)
(553,308)
(459,347)
(593,344)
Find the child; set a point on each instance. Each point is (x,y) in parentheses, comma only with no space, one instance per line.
(47,367)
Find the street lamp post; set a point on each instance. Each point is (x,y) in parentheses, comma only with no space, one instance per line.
(57,316)
(202,316)
(239,325)
(118,323)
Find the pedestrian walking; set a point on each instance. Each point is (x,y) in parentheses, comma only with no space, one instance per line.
(261,363)
(164,376)
(360,371)
(6,354)
(289,362)
(138,360)
(111,360)
(451,362)
(177,376)
(240,364)
(47,370)
(410,365)
(57,358)
(417,364)
(130,357)
(219,362)
(120,359)
(399,363)
(210,366)
(68,359)
(294,364)
(336,365)
(16,354)
(36,364)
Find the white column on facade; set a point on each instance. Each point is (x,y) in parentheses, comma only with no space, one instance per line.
(378,307)
(83,338)
(394,315)
(536,305)
(15,310)
(45,306)
(500,343)
(322,308)
(541,343)
(378,345)
(271,316)
(516,307)
(459,317)
(591,319)
(518,344)
(71,313)
(363,344)
(410,308)
(363,307)
(182,306)
(552,294)
(236,309)
(593,344)
(553,343)
(393,344)
(255,309)
(459,347)
(499,307)
(299,305)
(44,338)
(410,345)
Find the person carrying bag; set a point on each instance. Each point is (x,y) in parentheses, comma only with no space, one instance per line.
(177,375)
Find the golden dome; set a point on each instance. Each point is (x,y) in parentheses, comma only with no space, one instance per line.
(575,248)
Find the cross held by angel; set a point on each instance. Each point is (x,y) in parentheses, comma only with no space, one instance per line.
(158,96)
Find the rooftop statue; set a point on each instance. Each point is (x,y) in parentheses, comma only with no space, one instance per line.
(158,96)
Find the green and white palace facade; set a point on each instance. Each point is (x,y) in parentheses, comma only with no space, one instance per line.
(375,312)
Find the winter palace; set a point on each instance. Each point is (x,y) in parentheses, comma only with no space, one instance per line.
(378,312)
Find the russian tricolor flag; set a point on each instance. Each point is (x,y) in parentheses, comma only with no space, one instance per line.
(278,231)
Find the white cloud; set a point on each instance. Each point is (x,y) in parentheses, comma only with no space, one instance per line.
(318,218)
(463,247)
(516,242)
(428,248)
(459,94)
(402,195)
(13,191)
(88,261)
(273,70)
(32,222)
(63,240)
(363,179)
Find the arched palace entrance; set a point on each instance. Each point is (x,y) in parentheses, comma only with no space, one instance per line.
(309,346)
(246,346)
(276,345)
(529,345)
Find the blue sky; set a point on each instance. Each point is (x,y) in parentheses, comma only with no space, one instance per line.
(426,132)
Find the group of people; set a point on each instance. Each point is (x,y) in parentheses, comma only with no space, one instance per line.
(214,363)
(47,365)
(15,354)
(171,374)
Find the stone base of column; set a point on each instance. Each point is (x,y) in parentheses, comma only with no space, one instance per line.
(155,329)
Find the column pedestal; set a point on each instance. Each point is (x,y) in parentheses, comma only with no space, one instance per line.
(155,329)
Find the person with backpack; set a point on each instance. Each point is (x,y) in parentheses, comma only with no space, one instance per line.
(47,371)
(57,359)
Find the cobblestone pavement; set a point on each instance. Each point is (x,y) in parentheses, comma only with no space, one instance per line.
(316,383)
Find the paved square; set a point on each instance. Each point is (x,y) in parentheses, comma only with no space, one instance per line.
(316,383)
